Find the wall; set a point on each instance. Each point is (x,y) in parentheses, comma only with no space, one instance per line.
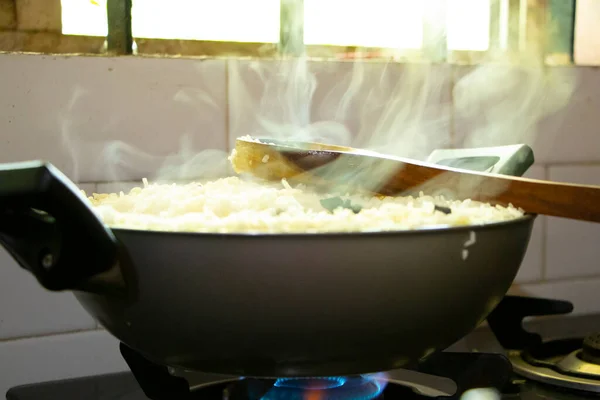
(146,108)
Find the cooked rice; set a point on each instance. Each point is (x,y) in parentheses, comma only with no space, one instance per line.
(233,205)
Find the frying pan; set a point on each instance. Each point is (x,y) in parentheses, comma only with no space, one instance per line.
(262,305)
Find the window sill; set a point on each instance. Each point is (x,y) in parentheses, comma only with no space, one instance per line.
(51,43)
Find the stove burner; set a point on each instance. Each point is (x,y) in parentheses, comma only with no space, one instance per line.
(558,362)
(568,356)
(444,374)
(325,388)
(312,383)
(591,349)
(568,363)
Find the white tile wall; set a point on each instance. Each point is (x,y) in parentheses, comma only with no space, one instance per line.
(116,187)
(343,103)
(102,119)
(58,357)
(520,110)
(573,246)
(587,40)
(584,293)
(28,310)
(571,135)
(145,107)
(532,267)
(88,188)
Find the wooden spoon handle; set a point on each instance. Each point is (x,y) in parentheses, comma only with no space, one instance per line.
(394,175)
(580,202)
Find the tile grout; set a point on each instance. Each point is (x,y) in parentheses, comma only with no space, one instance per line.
(567,279)
(49,334)
(544,165)
(452,113)
(586,163)
(544,246)
(544,238)
(227,107)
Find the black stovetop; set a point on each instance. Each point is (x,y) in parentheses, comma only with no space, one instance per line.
(123,386)
(477,362)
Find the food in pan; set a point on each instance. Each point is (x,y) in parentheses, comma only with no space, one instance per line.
(235,205)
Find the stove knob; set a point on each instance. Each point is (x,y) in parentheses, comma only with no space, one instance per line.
(591,348)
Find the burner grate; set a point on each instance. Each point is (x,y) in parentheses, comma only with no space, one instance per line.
(466,370)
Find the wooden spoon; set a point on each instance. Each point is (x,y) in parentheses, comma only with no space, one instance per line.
(324,164)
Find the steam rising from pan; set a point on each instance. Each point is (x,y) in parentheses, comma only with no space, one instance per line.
(401,109)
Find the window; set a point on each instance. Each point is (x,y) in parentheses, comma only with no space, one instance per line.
(396,24)
(84,17)
(370,23)
(439,30)
(222,20)
(468,24)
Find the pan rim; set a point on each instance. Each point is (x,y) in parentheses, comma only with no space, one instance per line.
(527,217)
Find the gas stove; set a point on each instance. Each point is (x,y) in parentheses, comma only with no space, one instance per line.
(526,365)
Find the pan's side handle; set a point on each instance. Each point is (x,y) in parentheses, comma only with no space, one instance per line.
(50,230)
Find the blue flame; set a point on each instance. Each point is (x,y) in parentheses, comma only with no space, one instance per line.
(328,388)
(328,382)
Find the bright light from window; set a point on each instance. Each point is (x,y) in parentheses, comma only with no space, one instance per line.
(84,17)
(468,25)
(223,20)
(367,23)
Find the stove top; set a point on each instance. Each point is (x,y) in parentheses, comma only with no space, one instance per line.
(525,366)
(123,386)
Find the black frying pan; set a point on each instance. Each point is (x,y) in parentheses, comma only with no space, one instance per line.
(260,305)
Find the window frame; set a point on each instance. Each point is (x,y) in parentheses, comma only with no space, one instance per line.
(44,35)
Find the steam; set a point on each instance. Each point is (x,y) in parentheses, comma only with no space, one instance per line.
(404,110)
(504,103)
(69,139)
(399,109)
(95,142)
(285,109)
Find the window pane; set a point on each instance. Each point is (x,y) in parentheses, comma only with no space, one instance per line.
(222,20)
(367,23)
(468,24)
(587,32)
(84,17)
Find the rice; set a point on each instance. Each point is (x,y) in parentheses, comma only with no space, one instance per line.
(234,205)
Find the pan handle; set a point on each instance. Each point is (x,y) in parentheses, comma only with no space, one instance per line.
(50,230)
